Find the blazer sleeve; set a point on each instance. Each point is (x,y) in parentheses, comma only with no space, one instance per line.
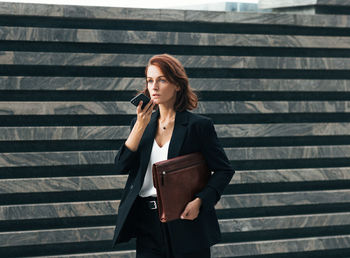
(125,158)
(217,162)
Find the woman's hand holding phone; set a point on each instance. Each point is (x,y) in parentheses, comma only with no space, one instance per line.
(143,118)
(144,115)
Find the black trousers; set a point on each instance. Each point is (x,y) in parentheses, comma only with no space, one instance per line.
(153,239)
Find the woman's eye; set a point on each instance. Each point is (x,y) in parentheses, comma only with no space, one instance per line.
(149,81)
(163,80)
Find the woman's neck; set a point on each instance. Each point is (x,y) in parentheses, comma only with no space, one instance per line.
(166,114)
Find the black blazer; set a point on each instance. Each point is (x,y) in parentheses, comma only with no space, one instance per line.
(191,133)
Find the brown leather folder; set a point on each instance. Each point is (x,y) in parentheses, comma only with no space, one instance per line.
(177,180)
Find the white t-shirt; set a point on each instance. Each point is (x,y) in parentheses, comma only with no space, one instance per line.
(157,154)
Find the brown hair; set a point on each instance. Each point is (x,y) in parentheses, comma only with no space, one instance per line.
(175,73)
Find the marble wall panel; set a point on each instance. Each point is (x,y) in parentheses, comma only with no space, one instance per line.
(281,246)
(70,83)
(28,159)
(122,132)
(66,108)
(55,236)
(38,133)
(284,222)
(103,132)
(58,210)
(283,199)
(62,184)
(170,38)
(291,175)
(136,60)
(270,107)
(88,183)
(278,130)
(135,84)
(290,152)
(21,159)
(116,254)
(97,157)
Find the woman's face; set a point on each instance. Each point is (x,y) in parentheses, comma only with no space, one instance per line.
(160,89)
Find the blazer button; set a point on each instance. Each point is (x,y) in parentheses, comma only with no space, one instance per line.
(131,187)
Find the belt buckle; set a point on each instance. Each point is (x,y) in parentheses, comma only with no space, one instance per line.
(152,205)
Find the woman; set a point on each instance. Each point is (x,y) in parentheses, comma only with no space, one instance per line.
(169,132)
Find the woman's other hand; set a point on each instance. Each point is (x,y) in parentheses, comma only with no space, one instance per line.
(192,209)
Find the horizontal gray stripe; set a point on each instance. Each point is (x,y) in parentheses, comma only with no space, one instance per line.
(137,60)
(122,132)
(90,183)
(19,159)
(204,107)
(135,84)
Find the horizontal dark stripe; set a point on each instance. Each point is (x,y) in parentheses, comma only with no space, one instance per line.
(171,49)
(264,235)
(55,223)
(101,71)
(338,253)
(287,186)
(282,210)
(290,163)
(62,120)
(278,118)
(98,195)
(124,95)
(109,169)
(100,120)
(332,10)
(63,248)
(284,141)
(95,145)
(191,26)
(64,196)
(53,171)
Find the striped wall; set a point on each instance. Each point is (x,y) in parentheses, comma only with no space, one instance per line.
(277,87)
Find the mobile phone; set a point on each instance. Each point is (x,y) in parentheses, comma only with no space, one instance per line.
(136,100)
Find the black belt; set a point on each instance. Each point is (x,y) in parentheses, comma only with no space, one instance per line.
(150,201)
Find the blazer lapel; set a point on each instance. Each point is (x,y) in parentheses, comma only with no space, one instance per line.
(178,136)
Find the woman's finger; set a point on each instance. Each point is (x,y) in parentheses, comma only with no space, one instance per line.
(139,106)
(151,107)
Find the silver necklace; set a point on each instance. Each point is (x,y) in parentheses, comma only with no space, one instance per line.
(165,125)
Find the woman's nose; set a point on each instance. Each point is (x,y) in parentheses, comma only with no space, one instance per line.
(155,85)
